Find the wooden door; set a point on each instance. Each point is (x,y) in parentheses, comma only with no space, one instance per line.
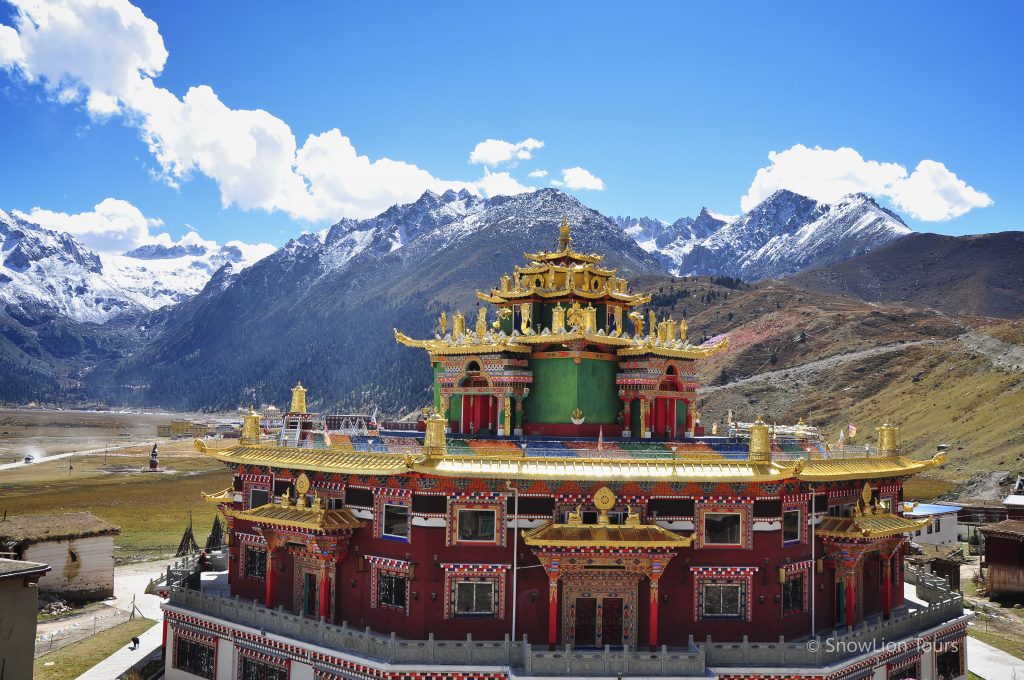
(586,622)
(611,621)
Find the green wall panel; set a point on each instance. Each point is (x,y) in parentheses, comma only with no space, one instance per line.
(561,385)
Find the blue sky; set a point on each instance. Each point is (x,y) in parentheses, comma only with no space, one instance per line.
(652,109)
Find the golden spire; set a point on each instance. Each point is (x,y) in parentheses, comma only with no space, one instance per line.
(564,239)
(250,428)
(298,399)
(760,442)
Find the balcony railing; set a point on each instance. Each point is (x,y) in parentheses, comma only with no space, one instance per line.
(943,606)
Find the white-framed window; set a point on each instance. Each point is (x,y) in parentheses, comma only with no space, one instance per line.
(723,528)
(478,525)
(792,531)
(395,521)
(475,598)
(194,657)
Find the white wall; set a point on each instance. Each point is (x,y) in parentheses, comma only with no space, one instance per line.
(301,671)
(225,659)
(91,572)
(946,535)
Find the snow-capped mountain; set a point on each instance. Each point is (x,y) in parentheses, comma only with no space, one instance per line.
(53,273)
(325,304)
(783,234)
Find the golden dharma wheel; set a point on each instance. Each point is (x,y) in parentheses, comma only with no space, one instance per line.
(604,499)
(302,484)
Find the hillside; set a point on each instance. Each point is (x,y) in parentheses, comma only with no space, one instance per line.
(833,360)
(956,274)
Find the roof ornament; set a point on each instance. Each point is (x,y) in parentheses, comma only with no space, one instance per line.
(564,239)
(887,439)
(444,324)
(298,398)
(760,442)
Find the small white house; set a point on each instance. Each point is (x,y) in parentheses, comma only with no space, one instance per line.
(78,546)
(942,530)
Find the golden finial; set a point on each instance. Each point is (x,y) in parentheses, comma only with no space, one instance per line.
(298,398)
(760,442)
(564,239)
(458,325)
(481,323)
(444,324)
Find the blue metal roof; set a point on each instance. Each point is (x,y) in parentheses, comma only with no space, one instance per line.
(923,509)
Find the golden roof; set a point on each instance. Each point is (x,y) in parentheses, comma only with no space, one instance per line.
(471,343)
(553,535)
(881,525)
(565,250)
(868,521)
(515,465)
(314,518)
(497,297)
(313,460)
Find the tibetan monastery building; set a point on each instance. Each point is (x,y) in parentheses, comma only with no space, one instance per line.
(563,512)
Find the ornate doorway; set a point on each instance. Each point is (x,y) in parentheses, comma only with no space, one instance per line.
(600,608)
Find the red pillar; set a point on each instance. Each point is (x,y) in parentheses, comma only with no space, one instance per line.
(652,628)
(851,600)
(689,416)
(627,418)
(268,599)
(325,593)
(552,612)
(163,642)
(887,587)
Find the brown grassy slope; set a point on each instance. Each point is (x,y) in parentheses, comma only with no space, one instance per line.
(152,510)
(863,363)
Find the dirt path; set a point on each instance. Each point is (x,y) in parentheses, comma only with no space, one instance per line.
(130,580)
(804,372)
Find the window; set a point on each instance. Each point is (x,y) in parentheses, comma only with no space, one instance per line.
(391,591)
(258,497)
(473,598)
(722,601)
(255,563)
(931,527)
(722,528)
(791,526)
(193,657)
(885,504)
(793,594)
(477,525)
(938,525)
(839,510)
(949,661)
(395,522)
(259,670)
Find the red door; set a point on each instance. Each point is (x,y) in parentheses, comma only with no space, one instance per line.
(611,621)
(586,622)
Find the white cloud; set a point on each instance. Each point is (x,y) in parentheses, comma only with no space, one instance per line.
(501,183)
(115,226)
(538,173)
(578,178)
(496,151)
(931,193)
(106,53)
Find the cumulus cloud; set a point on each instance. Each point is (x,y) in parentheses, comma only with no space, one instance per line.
(495,183)
(930,193)
(115,226)
(578,178)
(106,53)
(494,152)
(112,226)
(538,173)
